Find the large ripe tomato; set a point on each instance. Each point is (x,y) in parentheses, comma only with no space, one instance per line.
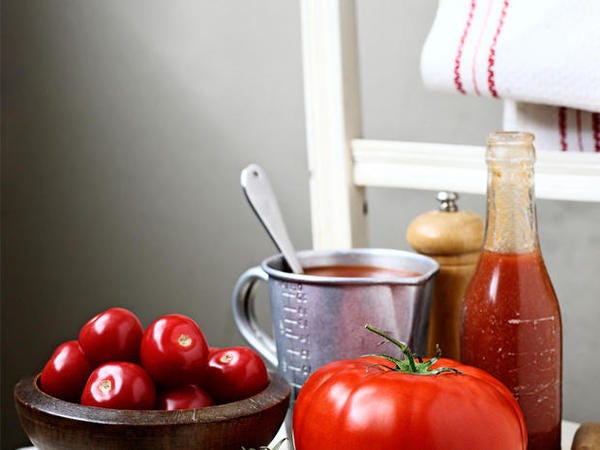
(112,335)
(119,385)
(66,372)
(183,397)
(174,350)
(372,402)
(235,373)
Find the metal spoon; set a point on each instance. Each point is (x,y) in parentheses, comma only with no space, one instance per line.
(260,195)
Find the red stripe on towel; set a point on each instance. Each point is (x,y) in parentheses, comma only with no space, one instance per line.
(579,136)
(596,131)
(562,127)
(492,57)
(459,51)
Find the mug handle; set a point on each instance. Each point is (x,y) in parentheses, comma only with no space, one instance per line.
(244,314)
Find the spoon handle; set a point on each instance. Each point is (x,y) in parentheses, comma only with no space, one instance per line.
(261,197)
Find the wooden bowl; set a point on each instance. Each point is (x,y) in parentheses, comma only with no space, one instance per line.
(51,423)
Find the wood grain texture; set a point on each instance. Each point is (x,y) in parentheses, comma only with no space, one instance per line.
(587,437)
(454,240)
(52,424)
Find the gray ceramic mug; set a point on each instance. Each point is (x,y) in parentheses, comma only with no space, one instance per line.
(319,319)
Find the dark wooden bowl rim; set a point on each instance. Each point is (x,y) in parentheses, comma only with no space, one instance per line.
(28,394)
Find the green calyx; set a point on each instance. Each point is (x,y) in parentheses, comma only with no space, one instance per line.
(411,363)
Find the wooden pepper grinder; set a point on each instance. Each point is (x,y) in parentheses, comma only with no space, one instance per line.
(453,238)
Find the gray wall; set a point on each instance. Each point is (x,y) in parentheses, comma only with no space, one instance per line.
(125,125)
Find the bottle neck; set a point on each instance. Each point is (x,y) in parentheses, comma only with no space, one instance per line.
(511,223)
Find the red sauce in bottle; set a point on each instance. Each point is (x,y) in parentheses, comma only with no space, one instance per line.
(511,329)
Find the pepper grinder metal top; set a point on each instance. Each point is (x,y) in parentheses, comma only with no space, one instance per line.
(447,201)
(454,239)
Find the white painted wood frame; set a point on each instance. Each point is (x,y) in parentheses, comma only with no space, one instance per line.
(333,119)
(461,168)
(342,164)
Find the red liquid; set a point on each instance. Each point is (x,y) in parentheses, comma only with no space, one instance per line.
(512,329)
(359,272)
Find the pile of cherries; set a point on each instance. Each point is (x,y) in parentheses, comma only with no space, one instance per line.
(115,363)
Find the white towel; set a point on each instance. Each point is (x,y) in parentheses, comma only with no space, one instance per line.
(532,52)
(555,128)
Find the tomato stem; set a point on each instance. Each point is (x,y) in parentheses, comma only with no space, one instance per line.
(401,345)
(409,365)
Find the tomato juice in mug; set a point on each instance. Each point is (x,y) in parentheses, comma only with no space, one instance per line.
(358,272)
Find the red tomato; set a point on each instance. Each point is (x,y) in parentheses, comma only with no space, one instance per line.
(66,372)
(119,385)
(112,335)
(174,350)
(184,397)
(371,402)
(235,373)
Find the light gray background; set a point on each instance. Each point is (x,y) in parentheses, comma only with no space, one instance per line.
(125,125)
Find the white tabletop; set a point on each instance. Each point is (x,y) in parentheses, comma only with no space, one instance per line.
(568,431)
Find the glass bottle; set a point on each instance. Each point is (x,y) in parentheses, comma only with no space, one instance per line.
(511,324)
